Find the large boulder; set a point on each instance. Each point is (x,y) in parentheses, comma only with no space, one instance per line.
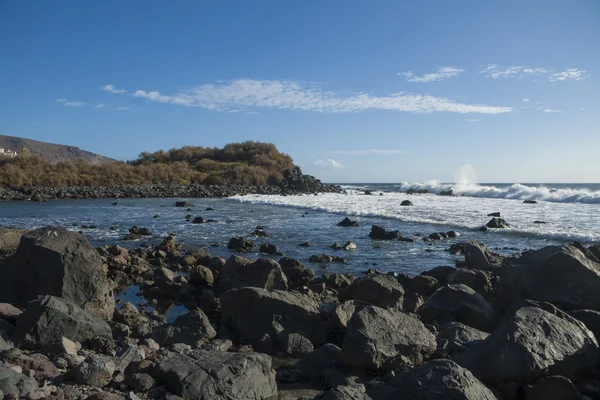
(296,273)
(478,257)
(552,388)
(458,303)
(537,340)
(253,312)
(49,319)
(455,337)
(439,380)
(378,339)
(380,290)
(561,275)
(57,262)
(479,281)
(206,375)
(192,329)
(263,273)
(14,384)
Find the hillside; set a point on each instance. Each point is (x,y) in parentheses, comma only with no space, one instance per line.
(50,152)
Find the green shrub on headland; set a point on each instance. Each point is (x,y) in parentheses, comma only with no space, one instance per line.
(247,163)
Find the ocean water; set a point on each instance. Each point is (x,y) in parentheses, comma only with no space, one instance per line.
(571,213)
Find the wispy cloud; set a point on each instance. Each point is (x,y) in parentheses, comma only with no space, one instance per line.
(112,89)
(328,164)
(440,74)
(495,71)
(526,100)
(549,110)
(289,95)
(100,105)
(471,120)
(68,103)
(123,108)
(367,152)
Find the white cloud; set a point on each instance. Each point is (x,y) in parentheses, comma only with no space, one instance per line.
(68,103)
(112,89)
(495,71)
(526,100)
(123,108)
(471,120)
(290,95)
(61,100)
(581,109)
(549,110)
(100,105)
(329,164)
(442,73)
(367,152)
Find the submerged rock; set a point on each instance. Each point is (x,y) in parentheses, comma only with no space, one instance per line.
(379,233)
(347,222)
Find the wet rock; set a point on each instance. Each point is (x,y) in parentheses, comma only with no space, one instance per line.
(198,220)
(530,202)
(497,223)
(129,315)
(304,244)
(201,275)
(458,303)
(537,340)
(320,259)
(440,273)
(268,248)
(349,246)
(95,371)
(263,273)
(347,222)
(380,290)
(494,214)
(241,244)
(183,204)
(252,312)
(260,233)
(377,338)
(406,203)
(439,379)
(193,328)
(58,262)
(50,318)
(379,233)
(219,376)
(561,275)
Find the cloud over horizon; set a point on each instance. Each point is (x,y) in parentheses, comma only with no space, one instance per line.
(440,74)
(328,164)
(495,71)
(366,152)
(292,95)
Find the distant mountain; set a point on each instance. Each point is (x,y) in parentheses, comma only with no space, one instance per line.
(51,152)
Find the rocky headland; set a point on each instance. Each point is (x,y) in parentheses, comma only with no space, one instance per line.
(509,328)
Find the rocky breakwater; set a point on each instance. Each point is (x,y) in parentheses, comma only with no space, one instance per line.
(499,328)
(294,182)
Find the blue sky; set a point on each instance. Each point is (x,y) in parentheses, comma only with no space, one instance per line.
(354,91)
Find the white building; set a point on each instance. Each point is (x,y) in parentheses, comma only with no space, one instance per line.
(7,153)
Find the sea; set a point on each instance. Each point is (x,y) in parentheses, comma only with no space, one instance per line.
(571,212)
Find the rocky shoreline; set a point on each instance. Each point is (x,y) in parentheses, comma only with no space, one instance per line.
(497,327)
(294,182)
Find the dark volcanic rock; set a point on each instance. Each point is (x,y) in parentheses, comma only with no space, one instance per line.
(269,248)
(252,312)
(561,275)
(494,214)
(192,329)
(263,273)
(49,318)
(530,202)
(57,262)
(532,343)
(406,203)
(458,337)
(296,273)
(497,223)
(376,337)
(458,303)
(478,257)
(439,380)
(347,222)
(219,375)
(380,290)
(379,233)
(552,388)
(241,244)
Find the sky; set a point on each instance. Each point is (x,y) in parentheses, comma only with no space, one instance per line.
(355,91)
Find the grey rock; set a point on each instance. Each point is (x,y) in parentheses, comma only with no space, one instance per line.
(440,273)
(439,380)
(552,388)
(296,273)
(50,318)
(479,281)
(537,340)
(380,290)
(377,338)
(193,328)
(263,273)
(58,262)
(458,303)
(459,337)
(219,376)
(252,312)
(561,275)
(590,318)
(296,345)
(14,383)
(497,223)
(478,257)
(95,371)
